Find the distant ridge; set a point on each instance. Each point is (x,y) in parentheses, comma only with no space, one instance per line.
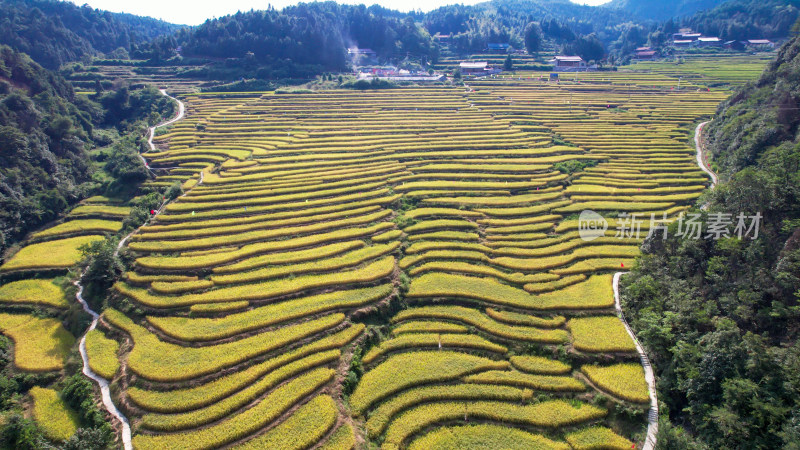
(662,10)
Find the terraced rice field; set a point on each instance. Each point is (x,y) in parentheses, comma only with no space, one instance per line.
(316,212)
(400,267)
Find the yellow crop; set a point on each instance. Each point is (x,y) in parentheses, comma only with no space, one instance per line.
(274,259)
(179,287)
(428,225)
(598,438)
(61,254)
(40,345)
(186,399)
(625,381)
(102,353)
(344,438)
(243,238)
(484,436)
(154,359)
(413,340)
(519,379)
(37,292)
(57,421)
(383,414)
(600,334)
(207,329)
(80,227)
(407,370)
(243,424)
(427,326)
(525,319)
(346,260)
(101,210)
(226,406)
(549,414)
(371,272)
(199,262)
(219,307)
(539,365)
(483,323)
(435,285)
(304,428)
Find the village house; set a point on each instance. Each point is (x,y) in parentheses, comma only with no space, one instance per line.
(759,43)
(645,54)
(569,64)
(709,42)
(477,69)
(503,47)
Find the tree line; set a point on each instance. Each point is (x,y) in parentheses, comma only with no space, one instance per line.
(720,318)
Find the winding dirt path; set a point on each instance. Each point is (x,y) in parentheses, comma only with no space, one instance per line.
(151,132)
(649,376)
(702,159)
(105,391)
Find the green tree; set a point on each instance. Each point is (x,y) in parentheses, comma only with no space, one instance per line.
(104,268)
(508,65)
(533,38)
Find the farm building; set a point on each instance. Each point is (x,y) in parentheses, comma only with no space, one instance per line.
(686,36)
(477,69)
(709,42)
(682,43)
(360,55)
(734,45)
(569,64)
(503,47)
(759,43)
(360,51)
(645,55)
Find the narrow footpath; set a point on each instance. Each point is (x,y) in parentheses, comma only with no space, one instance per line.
(102,382)
(702,159)
(649,375)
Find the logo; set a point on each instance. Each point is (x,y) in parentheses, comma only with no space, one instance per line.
(591,225)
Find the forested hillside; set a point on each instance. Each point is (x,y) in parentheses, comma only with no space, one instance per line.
(720,317)
(562,21)
(648,9)
(746,19)
(54,32)
(45,134)
(299,40)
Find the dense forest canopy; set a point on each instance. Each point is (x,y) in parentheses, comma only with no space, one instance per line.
(54,32)
(743,19)
(309,37)
(45,134)
(661,10)
(720,318)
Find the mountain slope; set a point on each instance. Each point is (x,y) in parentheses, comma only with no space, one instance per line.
(55,32)
(720,318)
(660,11)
